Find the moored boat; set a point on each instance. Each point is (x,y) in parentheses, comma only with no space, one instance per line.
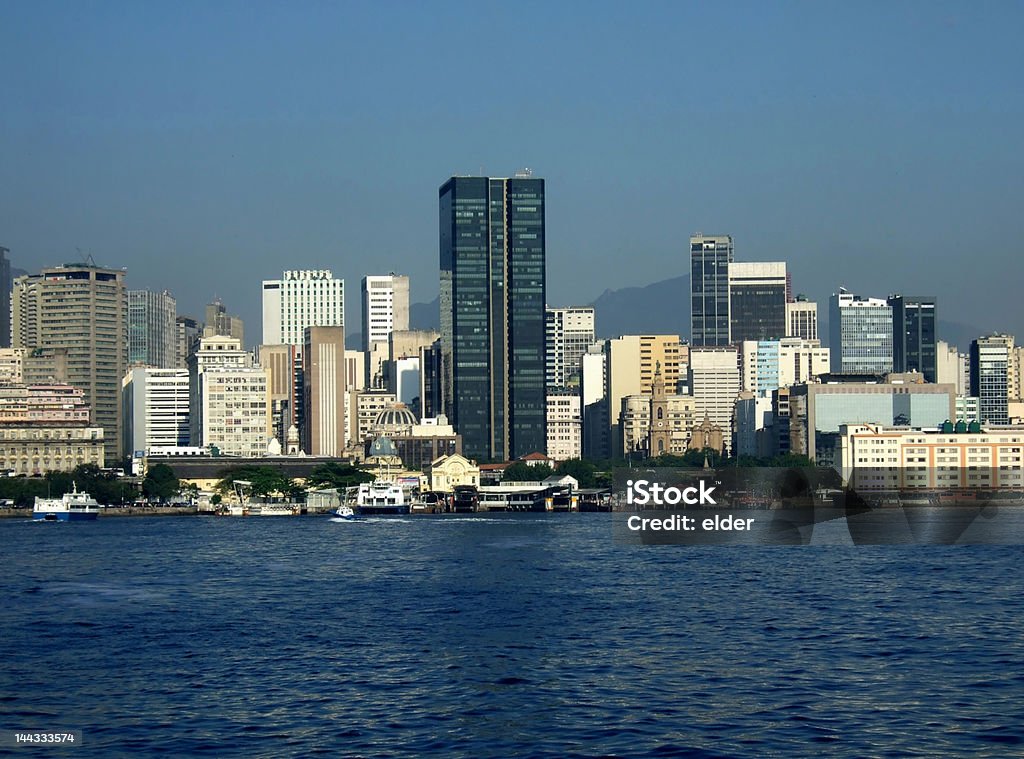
(70,507)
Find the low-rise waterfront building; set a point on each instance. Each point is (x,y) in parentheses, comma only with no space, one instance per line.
(951,456)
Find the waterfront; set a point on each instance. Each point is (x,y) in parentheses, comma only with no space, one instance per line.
(493,635)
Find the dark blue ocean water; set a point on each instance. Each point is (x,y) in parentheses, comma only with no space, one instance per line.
(531,635)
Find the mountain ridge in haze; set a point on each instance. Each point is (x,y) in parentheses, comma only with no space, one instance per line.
(661,308)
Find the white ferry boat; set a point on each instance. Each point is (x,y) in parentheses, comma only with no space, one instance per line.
(382,497)
(71,507)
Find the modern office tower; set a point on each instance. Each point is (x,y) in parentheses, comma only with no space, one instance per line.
(81,309)
(152,329)
(565,425)
(757,301)
(5,298)
(323,389)
(229,400)
(710,257)
(570,331)
(714,379)
(281,363)
(220,323)
(914,343)
(187,334)
(631,362)
(46,429)
(766,365)
(802,318)
(155,409)
(990,376)
(385,307)
(492,295)
(860,331)
(816,410)
(298,300)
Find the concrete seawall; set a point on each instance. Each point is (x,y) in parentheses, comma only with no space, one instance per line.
(128,511)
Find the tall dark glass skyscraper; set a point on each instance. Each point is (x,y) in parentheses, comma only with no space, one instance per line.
(914,344)
(492,314)
(709,289)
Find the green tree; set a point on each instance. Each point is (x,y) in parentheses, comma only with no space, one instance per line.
(582,470)
(335,474)
(160,482)
(523,472)
(266,481)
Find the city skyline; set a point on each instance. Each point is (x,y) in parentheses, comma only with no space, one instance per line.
(882,173)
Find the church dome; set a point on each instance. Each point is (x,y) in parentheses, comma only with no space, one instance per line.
(395,419)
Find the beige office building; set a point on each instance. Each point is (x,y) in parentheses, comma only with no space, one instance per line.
(630,365)
(324,391)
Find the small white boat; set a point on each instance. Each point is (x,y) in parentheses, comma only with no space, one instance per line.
(345,512)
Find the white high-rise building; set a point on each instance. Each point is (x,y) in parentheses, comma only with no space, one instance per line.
(714,379)
(565,425)
(156,405)
(385,307)
(229,399)
(300,299)
(570,331)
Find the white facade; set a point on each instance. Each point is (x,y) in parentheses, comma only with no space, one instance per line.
(385,307)
(802,319)
(229,399)
(234,411)
(565,426)
(714,379)
(301,299)
(404,380)
(156,409)
(952,367)
(770,364)
(570,331)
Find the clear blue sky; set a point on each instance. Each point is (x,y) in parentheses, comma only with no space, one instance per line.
(206,146)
